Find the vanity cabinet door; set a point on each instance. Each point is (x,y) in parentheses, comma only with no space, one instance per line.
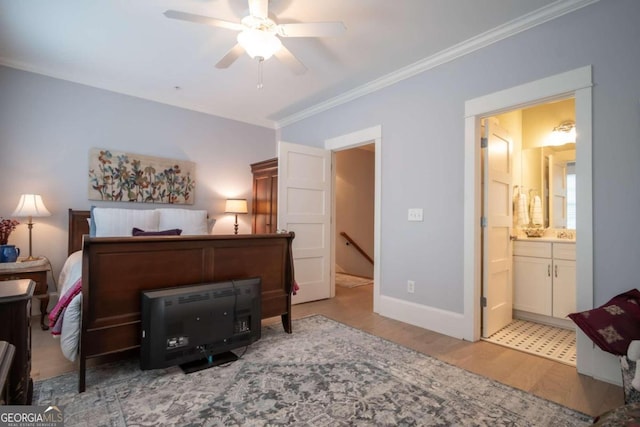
(564,287)
(532,279)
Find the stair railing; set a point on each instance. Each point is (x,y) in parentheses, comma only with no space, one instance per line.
(356,246)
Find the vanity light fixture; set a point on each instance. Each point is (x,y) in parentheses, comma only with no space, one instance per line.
(564,133)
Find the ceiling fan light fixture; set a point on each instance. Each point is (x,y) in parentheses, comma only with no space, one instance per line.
(259,43)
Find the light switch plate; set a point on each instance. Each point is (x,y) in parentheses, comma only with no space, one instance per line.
(415,214)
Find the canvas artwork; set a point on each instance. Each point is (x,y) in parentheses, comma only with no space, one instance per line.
(126,177)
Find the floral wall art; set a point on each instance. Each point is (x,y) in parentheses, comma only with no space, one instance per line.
(126,177)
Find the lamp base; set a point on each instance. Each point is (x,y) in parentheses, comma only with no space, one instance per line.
(31,258)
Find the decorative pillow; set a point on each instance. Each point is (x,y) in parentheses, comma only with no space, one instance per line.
(172,232)
(190,221)
(614,325)
(114,222)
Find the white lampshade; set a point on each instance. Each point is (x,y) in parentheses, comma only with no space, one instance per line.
(236,206)
(259,43)
(31,205)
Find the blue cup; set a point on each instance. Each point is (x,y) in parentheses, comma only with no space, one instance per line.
(9,253)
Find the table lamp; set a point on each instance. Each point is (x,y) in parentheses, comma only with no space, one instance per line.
(236,206)
(30,205)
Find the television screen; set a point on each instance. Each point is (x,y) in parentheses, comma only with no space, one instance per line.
(197,326)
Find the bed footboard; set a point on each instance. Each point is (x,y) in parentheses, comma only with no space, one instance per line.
(116,270)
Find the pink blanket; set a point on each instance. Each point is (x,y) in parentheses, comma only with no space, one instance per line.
(57,314)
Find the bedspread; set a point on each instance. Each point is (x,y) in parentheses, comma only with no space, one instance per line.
(68,312)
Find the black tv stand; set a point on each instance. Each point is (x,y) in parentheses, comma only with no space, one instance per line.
(205,363)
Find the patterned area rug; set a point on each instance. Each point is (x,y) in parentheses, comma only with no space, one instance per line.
(349,281)
(324,374)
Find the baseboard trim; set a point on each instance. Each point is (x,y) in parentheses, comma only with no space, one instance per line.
(434,319)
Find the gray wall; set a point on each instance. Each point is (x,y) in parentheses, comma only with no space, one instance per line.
(422,122)
(47,127)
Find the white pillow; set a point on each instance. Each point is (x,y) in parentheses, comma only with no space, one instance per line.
(190,221)
(114,222)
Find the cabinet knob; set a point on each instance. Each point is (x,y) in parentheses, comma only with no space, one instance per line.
(555,270)
(549,270)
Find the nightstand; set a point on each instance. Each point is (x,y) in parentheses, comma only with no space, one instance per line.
(34,270)
(15,328)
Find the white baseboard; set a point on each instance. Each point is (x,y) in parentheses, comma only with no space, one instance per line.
(434,319)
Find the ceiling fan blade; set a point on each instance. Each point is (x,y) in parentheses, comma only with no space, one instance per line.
(259,8)
(230,57)
(183,16)
(312,29)
(285,56)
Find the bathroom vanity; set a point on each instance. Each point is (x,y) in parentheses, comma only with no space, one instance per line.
(544,278)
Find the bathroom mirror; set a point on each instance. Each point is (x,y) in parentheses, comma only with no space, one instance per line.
(549,173)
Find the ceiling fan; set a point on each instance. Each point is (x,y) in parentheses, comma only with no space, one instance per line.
(260,36)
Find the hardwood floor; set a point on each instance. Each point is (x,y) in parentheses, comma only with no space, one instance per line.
(544,378)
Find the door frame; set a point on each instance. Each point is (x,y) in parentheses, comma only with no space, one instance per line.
(577,84)
(344,142)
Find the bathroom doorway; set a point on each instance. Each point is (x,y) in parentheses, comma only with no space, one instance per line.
(538,247)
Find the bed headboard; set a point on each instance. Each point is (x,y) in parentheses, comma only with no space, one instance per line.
(78,227)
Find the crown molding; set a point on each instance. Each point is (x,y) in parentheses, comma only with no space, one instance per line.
(523,23)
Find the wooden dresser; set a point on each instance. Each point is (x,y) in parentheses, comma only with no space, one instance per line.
(7,352)
(15,328)
(265,197)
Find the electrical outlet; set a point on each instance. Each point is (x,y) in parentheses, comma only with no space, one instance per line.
(411,286)
(415,214)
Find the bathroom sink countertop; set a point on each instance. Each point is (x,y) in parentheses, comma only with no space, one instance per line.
(553,239)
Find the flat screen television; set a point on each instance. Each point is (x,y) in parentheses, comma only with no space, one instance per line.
(197,326)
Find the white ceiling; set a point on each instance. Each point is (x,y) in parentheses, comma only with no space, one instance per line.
(130,47)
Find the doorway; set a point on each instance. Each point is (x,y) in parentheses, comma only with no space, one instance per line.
(371,137)
(540,277)
(354,200)
(306,206)
(577,84)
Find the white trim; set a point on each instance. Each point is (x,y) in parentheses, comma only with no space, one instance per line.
(523,23)
(434,319)
(576,83)
(554,87)
(472,271)
(344,142)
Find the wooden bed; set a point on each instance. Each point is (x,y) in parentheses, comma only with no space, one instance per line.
(116,269)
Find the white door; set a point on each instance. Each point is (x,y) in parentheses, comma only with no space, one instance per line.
(304,207)
(558,192)
(497,211)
